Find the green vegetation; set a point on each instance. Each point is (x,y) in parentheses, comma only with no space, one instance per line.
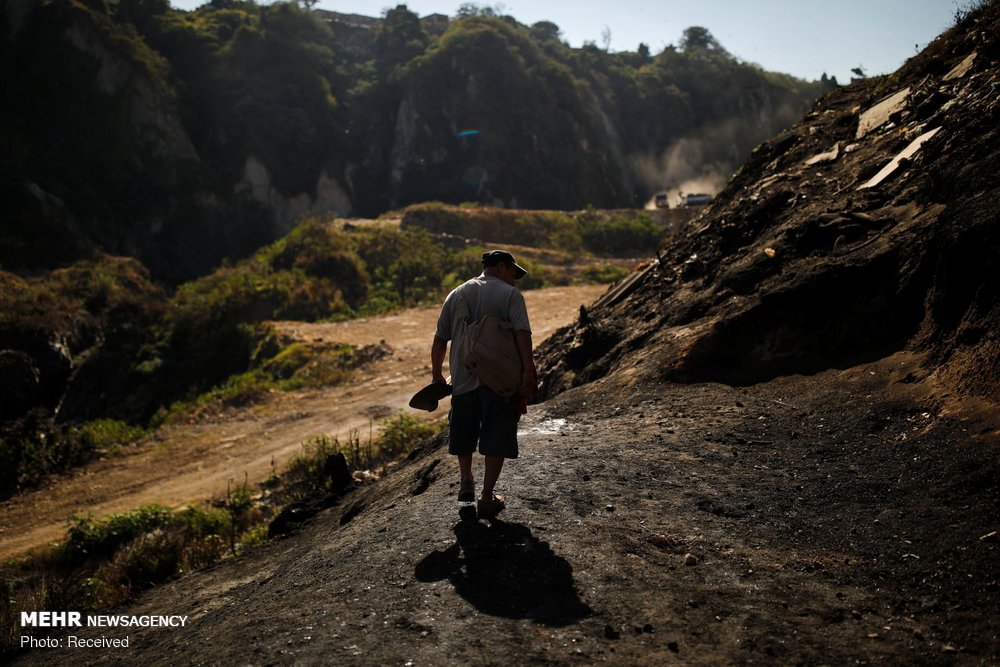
(307,471)
(605,273)
(105,562)
(89,538)
(108,435)
(297,366)
(610,233)
(65,336)
(34,447)
(399,433)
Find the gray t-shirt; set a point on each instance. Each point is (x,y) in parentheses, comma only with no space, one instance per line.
(484,295)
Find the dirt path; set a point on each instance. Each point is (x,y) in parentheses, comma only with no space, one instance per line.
(189,463)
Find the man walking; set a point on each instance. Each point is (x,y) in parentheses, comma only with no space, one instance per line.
(479,414)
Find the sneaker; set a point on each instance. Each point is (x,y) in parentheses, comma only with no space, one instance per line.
(467,492)
(490,507)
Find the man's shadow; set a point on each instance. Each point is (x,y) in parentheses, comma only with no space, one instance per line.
(504,570)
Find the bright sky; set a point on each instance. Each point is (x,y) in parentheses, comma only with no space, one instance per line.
(800,37)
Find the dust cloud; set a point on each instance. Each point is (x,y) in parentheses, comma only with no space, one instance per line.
(704,161)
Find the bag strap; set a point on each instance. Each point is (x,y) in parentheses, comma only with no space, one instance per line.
(463,306)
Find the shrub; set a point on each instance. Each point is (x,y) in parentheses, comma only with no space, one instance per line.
(91,538)
(609,234)
(406,266)
(306,475)
(400,434)
(604,273)
(289,360)
(320,250)
(34,447)
(108,434)
(150,558)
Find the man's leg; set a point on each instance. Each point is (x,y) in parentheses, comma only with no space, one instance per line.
(494,464)
(497,437)
(463,432)
(465,465)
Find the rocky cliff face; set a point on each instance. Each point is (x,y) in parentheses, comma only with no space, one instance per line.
(101,157)
(330,199)
(153,117)
(867,228)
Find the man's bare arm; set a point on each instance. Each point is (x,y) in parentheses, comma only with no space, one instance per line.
(438,350)
(529,376)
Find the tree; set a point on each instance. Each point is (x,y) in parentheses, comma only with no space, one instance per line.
(400,38)
(467,9)
(697,38)
(546,30)
(140,13)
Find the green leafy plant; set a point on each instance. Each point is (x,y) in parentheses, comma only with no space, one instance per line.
(239,500)
(605,273)
(96,538)
(306,473)
(108,435)
(400,433)
(34,447)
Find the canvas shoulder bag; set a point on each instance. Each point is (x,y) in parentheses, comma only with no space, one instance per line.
(489,350)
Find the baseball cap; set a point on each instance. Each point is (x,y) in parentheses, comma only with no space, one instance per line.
(494,257)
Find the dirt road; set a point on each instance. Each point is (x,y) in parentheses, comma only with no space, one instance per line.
(189,463)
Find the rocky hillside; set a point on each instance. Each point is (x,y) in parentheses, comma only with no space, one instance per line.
(868,227)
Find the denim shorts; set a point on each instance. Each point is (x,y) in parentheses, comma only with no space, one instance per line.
(483,416)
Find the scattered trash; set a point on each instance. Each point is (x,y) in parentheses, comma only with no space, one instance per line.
(905,155)
(961,69)
(879,114)
(829,156)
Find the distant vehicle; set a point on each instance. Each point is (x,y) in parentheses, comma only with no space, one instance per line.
(695,200)
(661,200)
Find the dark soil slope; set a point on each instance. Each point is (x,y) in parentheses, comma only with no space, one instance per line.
(815,257)
(824,520)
